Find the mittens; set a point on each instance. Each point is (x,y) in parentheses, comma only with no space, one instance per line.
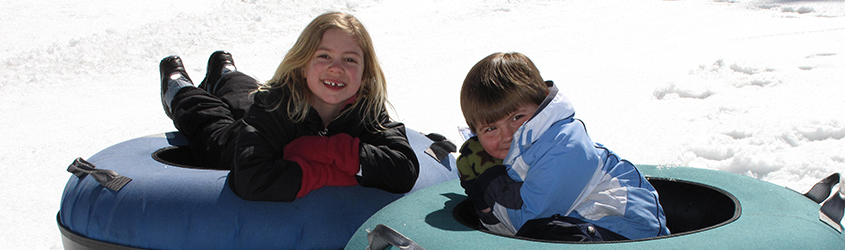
(340,151)
(486,177)
(325,161)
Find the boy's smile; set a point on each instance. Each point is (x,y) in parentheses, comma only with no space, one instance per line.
(496,138)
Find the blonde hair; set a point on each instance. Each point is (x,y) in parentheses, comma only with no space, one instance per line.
(371,96)
(498,85)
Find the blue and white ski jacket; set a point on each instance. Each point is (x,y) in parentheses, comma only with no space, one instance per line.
(564,172)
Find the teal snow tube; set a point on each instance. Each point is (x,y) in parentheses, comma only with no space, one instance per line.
(705,209)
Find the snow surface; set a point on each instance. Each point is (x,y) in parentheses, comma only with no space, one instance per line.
(748,87)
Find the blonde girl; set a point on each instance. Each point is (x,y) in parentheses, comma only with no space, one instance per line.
(320,121)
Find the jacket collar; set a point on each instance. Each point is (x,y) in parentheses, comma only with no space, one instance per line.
(554,108)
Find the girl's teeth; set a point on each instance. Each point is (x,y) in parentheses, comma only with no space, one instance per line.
(333,84)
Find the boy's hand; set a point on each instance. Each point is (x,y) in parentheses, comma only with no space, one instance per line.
(489,175)
(504,191)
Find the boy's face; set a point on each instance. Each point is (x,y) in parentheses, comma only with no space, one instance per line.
(496,138)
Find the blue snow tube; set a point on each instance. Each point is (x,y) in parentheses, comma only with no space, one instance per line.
(170,206)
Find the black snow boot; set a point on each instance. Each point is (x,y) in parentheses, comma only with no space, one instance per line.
(171,82)
(219,63)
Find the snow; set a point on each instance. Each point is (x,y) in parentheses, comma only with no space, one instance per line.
(748,87)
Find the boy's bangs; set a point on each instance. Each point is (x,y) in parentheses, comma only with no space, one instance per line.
(492,109)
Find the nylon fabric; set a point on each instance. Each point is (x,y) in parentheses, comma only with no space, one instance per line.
(565,172)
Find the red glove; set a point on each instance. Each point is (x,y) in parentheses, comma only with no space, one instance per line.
(325,161)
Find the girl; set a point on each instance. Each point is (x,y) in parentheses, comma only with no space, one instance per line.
(320,121)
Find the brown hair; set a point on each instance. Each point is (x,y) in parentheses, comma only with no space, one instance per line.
(498,85)
(372,94)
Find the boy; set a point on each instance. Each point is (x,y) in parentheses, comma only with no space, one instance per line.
(533,165)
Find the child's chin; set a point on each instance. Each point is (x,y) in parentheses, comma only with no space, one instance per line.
(500,155)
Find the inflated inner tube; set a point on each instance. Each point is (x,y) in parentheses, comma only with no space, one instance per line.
(171,203)
(705,209)
(179,156)
(690,207)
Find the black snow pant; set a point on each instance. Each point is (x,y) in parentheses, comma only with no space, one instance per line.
(208,121)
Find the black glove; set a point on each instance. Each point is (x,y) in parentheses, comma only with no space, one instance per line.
(503,190)
(489,175)
(477,187)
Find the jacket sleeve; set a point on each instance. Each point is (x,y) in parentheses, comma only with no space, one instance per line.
(563,162)
(258,171)
(387,160)
(477,169)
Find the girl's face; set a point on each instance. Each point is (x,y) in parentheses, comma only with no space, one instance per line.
(496,138)
(334,72)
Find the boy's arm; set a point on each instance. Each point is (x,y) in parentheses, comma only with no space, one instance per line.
(504,191)
(474,166)
(479,188)
(474,193)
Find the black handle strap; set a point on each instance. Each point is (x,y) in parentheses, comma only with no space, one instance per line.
(833,209)
(821,190)
(105,177)
(440,148)
(383,236)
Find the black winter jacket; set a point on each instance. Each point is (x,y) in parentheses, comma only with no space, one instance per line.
(259,173)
